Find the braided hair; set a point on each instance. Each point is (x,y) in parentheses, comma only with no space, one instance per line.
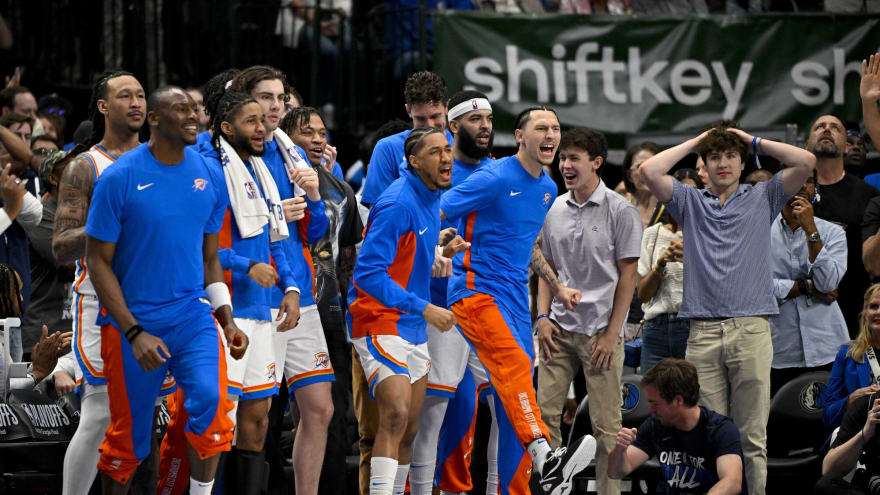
(297,118)
(10,293)
(227,107)
(413,143)
(215,88)
(99,92)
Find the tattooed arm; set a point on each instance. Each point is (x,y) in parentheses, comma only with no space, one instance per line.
(74,196)
(567,296)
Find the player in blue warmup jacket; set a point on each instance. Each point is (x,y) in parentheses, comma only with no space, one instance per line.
(389,302)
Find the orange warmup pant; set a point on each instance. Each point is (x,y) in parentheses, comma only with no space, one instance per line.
(503,342)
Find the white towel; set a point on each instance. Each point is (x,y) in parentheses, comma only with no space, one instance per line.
(249,207)
(292,159)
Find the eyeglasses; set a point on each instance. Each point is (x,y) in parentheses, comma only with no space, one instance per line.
(42,151)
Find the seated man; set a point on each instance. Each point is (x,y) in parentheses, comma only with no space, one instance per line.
(698,449)
(856,441)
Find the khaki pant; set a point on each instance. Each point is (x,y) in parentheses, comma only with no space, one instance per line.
(368,420)
(603,389)
(733,359)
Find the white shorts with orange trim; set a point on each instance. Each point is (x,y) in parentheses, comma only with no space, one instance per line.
(87,348)
(382,356)
(301,352)
(450,356)
(252,376)
(87,338)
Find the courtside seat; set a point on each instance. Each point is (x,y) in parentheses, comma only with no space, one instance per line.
(796,434)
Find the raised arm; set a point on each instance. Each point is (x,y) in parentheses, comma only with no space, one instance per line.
(869,89)
(74,197)
(18,149)
(798,162)
(655,170)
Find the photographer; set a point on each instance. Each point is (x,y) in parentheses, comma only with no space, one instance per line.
(856,441)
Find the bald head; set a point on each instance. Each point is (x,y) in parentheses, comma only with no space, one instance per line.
(827,137)
(164,96)
(173,115)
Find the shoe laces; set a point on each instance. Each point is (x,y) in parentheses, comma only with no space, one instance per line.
(557,453)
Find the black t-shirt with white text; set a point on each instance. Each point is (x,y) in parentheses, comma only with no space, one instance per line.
(687,458)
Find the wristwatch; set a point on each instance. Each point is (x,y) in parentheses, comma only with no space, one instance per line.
(814,237)
(805,287)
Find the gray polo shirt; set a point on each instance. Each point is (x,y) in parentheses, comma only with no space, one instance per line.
(726,248)
(584,242)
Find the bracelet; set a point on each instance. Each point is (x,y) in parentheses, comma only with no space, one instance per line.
(251,265)
(543,315)
(133,332)
(756,144)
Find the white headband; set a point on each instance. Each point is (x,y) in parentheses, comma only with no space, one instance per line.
(469,106)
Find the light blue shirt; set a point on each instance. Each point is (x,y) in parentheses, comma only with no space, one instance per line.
(726,272)
(806,332)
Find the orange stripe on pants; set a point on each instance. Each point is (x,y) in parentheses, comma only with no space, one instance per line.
(217,437)
(118,459)
(507,363)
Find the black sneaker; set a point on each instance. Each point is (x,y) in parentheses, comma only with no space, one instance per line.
(563,463)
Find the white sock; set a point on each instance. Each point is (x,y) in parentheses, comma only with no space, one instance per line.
(81,458)
(200,487)
(400,479)
(424,447)
(382,471)
(421,479)
(539,449)
(492,454)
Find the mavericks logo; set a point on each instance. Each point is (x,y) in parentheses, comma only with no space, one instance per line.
(630,397)
(809,397)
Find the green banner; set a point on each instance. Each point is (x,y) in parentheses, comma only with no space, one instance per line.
(626,75)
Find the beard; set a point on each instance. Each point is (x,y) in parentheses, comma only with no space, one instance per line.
(243,143)
(468,145)
(825,150)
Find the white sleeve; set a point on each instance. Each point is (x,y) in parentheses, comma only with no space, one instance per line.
(66,363)
(5,222)
(31,211)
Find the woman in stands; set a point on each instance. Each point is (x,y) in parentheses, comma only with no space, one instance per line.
(856,371)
